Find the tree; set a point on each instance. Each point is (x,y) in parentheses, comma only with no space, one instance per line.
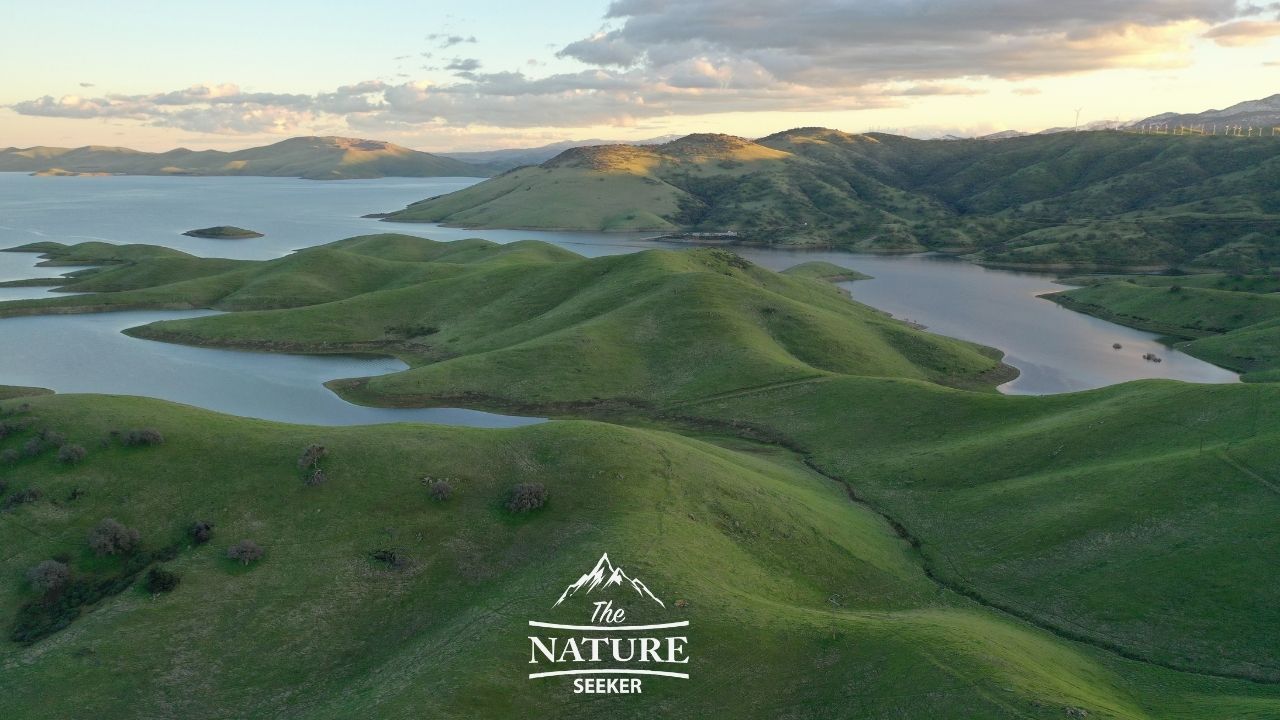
(160,580)
(71,454)
(48,576)
(526,497)
(143,437)
(109,537)
(245,552)
(201,531)
(440,490)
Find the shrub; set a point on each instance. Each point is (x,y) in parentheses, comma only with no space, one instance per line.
(52,438)
(526,497)
(160,580)
(440,490)
(48,576)
(4,485)
(311,456)
(201,532)
(23,497)
(316,477)
(10,456)
(391,557)
(142,437)
(33,447)
(245,552)
(111,538)
(71,454)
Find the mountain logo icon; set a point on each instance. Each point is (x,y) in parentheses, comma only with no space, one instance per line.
(606,575)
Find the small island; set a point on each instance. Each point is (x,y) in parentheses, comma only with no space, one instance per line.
(223,232)
(821,270)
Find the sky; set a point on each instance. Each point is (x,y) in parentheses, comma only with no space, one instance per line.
(442,75)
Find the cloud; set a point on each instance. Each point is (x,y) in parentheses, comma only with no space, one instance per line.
(841,42)
(86,84)
(659,58)
(447,41)
(463,65)
(1244,32)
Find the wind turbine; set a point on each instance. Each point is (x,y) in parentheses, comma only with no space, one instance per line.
(1076,127)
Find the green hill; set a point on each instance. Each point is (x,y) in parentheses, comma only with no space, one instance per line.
(855,538)
(799,600)
(1237,328)
(313,158)
(1064,200)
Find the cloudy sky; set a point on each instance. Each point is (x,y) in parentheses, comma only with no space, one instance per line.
(453,74)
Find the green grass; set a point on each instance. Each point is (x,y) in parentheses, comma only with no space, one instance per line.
(1235,328)
(444,637)
(1090,200)
(821,270)
(314,158)
(1108,551)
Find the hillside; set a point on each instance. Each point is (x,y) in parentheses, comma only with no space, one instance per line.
(1084,200)
(1233,322)
(1262,114)
(313,158)
(958,553)
(789,575)
(470,313)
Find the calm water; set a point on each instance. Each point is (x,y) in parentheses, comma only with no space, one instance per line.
(87,353)
(1055,349)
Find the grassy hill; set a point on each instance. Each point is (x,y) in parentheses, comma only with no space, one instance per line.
(1229,321)
(869,542)
(799,600)
(313,158)
(1088,199)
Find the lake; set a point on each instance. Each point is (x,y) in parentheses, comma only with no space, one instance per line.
(1055,349)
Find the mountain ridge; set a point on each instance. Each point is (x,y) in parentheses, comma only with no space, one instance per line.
(309,157)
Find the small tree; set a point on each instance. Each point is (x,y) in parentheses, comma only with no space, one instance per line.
(71,454)
(201,532)
(48,576)
(160,580)
(111,538)
(143,437)
(311,456)
(526,497)
(440,490)
(245,552)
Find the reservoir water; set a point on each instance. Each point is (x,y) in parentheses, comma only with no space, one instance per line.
(1055,349)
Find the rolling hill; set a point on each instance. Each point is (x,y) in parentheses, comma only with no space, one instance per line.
(1064,200)
(846,514)
(313,158)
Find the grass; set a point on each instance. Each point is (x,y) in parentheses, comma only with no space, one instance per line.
(1236,328)
(821,270)
(775,541)
(1090,200)
(314,158)
(879,542)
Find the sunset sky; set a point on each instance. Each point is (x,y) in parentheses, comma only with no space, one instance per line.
(479,74)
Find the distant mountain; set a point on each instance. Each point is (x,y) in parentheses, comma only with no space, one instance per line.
(605,574)
(507,159)
(1105,199)
(314,158)
(1256,113)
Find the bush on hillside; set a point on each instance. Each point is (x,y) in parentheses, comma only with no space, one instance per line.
(440,490)
(10,456)
(48,576)
(109,537)
(526,497)
(142,437)
(160,580)
(22,497)
(245,552)
(312,456)
(201,532)
(71,454)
